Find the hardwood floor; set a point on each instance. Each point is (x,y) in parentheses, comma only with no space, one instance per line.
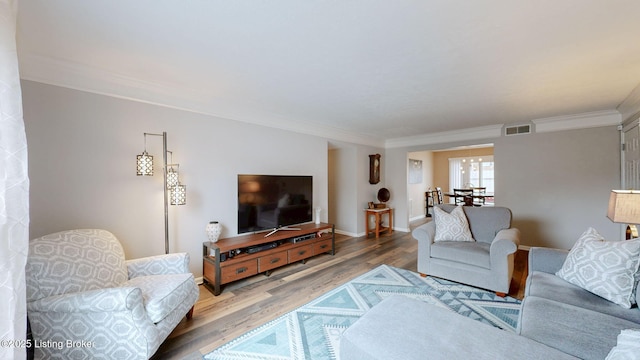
(249,303)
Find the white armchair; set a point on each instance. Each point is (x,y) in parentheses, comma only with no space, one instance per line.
(84,301)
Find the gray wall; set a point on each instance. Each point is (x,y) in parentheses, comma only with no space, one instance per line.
(557,184)
(82,150)
(351,192)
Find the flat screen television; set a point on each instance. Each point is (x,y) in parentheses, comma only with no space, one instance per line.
(269,202)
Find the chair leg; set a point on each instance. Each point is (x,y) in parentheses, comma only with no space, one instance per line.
(190,313)
(501,294)
(423,275)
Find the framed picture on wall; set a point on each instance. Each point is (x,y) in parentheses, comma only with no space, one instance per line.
(415,171)
(374,169)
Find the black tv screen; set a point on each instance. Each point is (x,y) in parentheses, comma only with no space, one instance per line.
(267,202)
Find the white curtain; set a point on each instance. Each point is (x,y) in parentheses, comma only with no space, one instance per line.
(14,191)
(455,174)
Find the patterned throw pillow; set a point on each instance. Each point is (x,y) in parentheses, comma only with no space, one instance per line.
(605,268)
(453,226)
(628,346)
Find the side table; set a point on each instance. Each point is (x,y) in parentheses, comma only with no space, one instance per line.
(377,213)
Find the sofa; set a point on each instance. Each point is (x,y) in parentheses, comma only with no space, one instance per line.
(486,262)
(567,317)
(557,320)
(84,301)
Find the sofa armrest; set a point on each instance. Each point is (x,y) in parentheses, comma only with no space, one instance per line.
(177,263)
(546,259)
(93,301)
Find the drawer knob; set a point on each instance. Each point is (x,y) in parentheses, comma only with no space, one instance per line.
(241,270)
(302,252)
(275,260)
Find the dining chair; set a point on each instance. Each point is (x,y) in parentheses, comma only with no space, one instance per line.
(463,196)
(478,195)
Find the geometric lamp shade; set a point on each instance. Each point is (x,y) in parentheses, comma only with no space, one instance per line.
(178,195)
(172,177)
(144,164)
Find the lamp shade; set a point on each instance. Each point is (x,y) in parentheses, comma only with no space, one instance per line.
(144,164)
(178,195)
(624,206)
(172,177)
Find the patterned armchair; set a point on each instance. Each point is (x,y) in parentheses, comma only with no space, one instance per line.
(84,301)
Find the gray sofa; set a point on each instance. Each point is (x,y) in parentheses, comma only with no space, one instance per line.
(557,321)
(567,317)
(485,263)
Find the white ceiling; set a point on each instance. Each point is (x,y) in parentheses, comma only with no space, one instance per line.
(374,69)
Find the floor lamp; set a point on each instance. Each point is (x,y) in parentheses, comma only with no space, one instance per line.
(174,192)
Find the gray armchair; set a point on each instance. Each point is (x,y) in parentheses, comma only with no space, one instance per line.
(486,262)
(84,301)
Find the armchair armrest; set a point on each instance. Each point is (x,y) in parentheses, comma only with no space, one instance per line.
(506,241)
(93,301)
(504,244)
(177,263)
(546,259)
(425,234)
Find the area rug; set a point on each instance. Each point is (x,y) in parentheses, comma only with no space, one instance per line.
(313,330)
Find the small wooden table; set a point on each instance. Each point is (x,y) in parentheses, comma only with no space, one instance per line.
(378,219)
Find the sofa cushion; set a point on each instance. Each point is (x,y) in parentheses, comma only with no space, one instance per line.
(551,287)
(476,253)
(627,346)
(162,293)
(577,331)
(606,268)
(403,328)
(452,226)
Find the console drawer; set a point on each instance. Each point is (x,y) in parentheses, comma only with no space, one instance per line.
(238,271)
(322,246)
(272,261)
(300,253)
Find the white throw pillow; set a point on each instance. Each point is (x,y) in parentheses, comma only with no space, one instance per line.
(628,346)
(605,268)
(453,226)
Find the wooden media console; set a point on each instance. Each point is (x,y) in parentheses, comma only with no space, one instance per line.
(236,258)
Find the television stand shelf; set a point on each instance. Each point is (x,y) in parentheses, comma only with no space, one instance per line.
(236,258)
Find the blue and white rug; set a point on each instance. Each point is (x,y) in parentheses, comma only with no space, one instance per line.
(313,331)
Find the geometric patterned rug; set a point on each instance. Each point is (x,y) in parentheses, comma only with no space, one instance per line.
(313,331)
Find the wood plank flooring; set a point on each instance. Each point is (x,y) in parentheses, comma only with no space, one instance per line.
(249,303)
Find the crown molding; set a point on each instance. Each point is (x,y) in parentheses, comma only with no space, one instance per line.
(578,121)
(477,133)
(631,105)
(80,77)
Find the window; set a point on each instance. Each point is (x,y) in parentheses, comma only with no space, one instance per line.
(471,172)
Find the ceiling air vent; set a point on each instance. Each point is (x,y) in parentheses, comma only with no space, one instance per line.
(517,130)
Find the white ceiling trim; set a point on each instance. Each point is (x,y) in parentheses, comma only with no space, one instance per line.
(83,78)
(631,105)
(477,133)
(578,121)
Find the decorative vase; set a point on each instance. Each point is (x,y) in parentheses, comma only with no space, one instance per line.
(213,230)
